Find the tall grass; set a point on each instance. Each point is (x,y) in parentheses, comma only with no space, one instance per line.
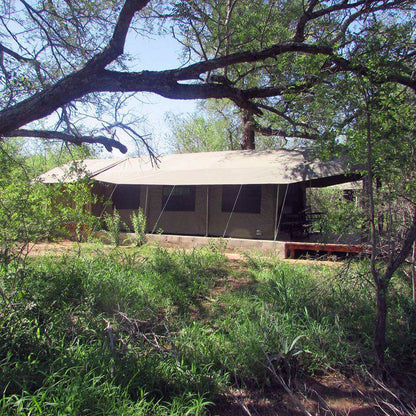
(93,335)
(148,332)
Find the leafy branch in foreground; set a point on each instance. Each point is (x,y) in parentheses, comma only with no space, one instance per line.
(251,54)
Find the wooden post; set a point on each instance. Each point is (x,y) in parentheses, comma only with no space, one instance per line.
(146,200)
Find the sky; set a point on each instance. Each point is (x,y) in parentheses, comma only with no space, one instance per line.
(156,54)
(159,53)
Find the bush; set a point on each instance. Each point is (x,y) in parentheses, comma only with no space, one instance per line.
(139,226)
(113,224)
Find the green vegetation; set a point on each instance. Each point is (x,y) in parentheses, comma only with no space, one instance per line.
(113,225)
(138,221)
(342,217)
(30,211)
(148,331)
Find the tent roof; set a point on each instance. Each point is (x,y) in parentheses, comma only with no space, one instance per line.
(208,168)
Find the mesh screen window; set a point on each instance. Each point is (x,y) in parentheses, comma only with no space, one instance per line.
(126,197)
(249,200)
(182,198)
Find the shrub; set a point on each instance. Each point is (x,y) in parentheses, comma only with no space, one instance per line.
(113,224)
(138,221)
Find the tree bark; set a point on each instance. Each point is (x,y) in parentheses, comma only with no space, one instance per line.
(248,131)
(381,325)
(414,274)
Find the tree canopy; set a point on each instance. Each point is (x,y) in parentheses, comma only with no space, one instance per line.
(290,60)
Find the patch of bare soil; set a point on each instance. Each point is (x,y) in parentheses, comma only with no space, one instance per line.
(331,394)
(58,248)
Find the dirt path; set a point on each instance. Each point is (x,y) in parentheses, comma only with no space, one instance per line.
(66,246)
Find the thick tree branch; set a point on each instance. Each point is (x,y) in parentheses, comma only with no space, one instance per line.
(195,70)
(108,143)
(165,83)
(115,47)
(94,78)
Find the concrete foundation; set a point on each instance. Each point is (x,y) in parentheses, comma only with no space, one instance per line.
(276,248)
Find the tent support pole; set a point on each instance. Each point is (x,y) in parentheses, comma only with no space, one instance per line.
(146,200)
(276,212)
(207,214)
(281,211)
(163,209)
(232,211)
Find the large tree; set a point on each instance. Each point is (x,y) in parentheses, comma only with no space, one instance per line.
(57,56)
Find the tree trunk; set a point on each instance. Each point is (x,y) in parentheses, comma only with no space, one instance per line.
(381,324)
(248,131)
(414,274)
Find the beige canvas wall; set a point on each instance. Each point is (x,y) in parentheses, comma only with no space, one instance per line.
(174,222)
(240,225)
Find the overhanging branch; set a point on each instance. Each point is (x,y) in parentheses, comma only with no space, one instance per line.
(94,78)
(195,70)
(115,47)
(108,143)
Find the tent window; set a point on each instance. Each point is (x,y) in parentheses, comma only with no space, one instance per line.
(126,197)
(181,199)
(249,200)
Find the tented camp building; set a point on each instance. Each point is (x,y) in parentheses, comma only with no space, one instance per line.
(243,194)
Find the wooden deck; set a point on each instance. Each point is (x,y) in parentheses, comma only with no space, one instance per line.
(292,248)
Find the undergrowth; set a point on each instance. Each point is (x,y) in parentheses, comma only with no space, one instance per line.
(139,332)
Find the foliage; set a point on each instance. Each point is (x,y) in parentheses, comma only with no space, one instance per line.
(31,211)
(24,206)
(384,144)
(324,105)
(283,57)
(42,156)
(75,200)
(113,224)
(343,217)
(138,221)
(147,331)
(213,127)
(76,331)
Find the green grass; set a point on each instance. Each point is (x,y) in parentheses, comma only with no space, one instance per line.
(120,332)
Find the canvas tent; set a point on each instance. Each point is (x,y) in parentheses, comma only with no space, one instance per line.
(245,194)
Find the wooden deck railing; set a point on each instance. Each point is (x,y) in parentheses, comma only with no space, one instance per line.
(292,247)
